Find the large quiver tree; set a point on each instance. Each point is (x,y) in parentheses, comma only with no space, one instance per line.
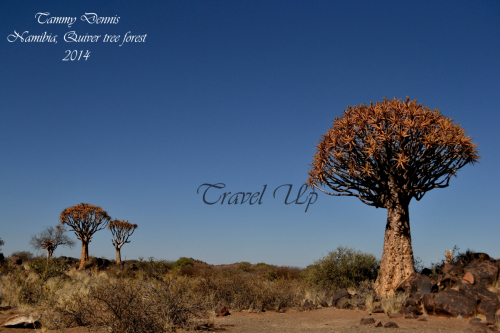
(121,231)
(85,220)
(386,154)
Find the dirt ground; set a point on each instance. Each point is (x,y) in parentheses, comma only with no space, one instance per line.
(321,320)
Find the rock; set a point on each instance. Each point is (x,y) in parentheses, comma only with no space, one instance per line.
(475,292)
(468,277)
(343,303)
(22,321)
(422,319)
(16,260)
(449,302)
(378,323)
(416,283)
(324,303)
(222,311)
(378,310)
(412,309)
(367,321)
(411,316)
(485,273)
(413,302)
(391,324)
(339,294)
(395,315)
(488,307)
(448,280)
(476,321)
(308,305)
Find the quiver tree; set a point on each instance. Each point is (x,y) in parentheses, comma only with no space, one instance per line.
(1,243)
(50,239)
(387,154)
(85,220)
(121,231)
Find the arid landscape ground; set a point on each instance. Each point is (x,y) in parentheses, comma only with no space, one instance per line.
(293,321)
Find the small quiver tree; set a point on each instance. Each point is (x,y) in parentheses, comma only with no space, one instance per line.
(85,220)
(121,231)
(49,239)
(385,155)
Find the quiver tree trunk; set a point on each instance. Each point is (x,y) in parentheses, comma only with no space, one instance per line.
(118,256)
(85,254)
(397,258)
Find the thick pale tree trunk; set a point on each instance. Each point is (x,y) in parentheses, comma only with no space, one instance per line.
(118,256)
(397,258)
(85,254)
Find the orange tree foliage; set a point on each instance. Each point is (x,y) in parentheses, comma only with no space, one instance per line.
(85,220)
(392,143)
(121,231)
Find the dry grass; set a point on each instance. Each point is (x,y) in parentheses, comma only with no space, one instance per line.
(394,303)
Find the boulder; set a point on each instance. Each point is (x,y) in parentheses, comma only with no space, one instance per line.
(476,293)
(339,294)
(343,303)
(222,311)
(367,321)
(378,323)
(391,324)
(449,302)
(416,284)
(468,277)
(484,272)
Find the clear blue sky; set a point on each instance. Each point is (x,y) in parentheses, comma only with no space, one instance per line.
(237,92)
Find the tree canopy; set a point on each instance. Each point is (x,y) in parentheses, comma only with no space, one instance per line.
(390,143)
(49,239)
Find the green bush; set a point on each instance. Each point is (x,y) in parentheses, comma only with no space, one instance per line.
(244,266)
(183,262)
(24,255)
(343,268)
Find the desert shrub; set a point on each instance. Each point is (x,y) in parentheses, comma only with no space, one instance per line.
(183,262)
(246,291)
(261,265)
(271,274)
(154,269)
(24,255)
(343,268)
(244,266)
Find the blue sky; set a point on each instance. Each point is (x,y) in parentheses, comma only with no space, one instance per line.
(237,92)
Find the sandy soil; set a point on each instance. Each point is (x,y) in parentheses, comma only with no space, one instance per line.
(321,320)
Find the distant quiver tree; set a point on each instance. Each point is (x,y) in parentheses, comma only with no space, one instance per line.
(49,239)
(385,155)
(121,231)
(1,243)
(85,220)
